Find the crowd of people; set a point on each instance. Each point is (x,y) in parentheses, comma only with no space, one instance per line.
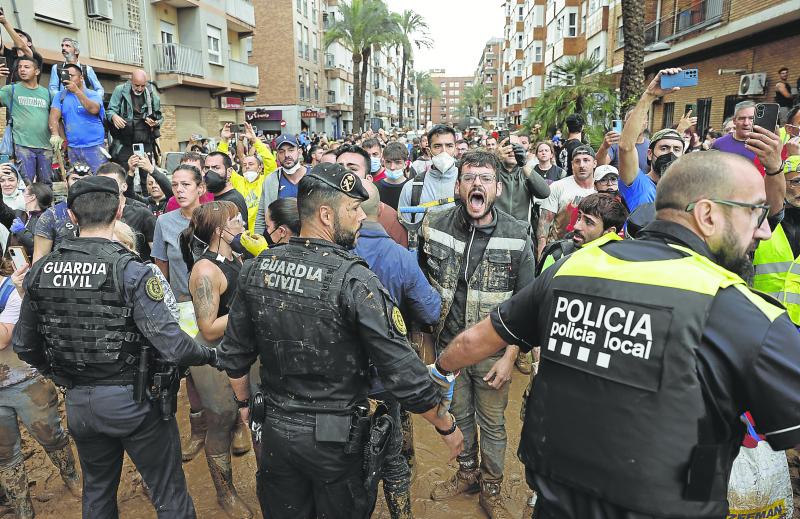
(284,279)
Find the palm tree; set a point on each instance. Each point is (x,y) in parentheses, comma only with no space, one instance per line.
(585,92)
(477,97)
(363,23)
(413,33)
(428,90)
(632,81)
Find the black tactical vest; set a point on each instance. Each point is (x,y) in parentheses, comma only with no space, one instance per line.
(311,359)
(617,409)
(77,291)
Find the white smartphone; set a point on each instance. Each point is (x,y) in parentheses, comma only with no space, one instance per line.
(138,149)
(18,256)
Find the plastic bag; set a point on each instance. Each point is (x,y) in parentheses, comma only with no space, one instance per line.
(759,485)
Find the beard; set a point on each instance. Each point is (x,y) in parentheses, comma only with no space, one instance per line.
(344,237)
(728,257)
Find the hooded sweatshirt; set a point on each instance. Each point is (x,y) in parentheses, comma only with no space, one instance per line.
(437,185)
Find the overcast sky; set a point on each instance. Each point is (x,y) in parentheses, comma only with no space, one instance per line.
(459,29)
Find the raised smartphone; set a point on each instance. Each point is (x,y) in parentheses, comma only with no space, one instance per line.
(767,115)
(685,78)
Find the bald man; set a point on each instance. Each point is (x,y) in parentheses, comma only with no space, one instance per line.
(135,116)
(651,351)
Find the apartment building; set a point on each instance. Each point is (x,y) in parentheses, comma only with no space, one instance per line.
(287,47)
(738,46)
(445,110)
(195,52)
(488,74)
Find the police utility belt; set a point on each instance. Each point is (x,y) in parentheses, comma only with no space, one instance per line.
(358,431)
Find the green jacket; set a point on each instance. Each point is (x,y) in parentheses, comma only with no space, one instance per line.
(121,104)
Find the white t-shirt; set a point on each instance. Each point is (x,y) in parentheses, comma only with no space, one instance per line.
(562,193)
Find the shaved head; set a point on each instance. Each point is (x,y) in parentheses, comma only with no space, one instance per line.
(714,174)
(138,81)
(371,207)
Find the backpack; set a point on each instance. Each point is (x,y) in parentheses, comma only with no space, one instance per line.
(84,71)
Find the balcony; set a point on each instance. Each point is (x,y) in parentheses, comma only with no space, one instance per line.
(331,97)
(243,73)
(241,15)
(330,62)
(178,4)
(694,18)
(174,58)
(114,43)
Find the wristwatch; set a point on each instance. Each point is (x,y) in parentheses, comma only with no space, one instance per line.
(449,431)
(241,403)
(449,375)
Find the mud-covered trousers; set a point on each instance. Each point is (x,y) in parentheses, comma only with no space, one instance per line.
(35,402)
(105,422)
(300,478)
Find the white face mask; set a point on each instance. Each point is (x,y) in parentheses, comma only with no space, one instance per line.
(294,169)
(250,175)
(443,161)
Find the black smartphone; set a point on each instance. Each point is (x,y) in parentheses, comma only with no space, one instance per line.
(64,76)
(692,107)
(767,115)
(242,128)
(502,135)
(2,61)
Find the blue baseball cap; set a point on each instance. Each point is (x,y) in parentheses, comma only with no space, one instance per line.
(286,139)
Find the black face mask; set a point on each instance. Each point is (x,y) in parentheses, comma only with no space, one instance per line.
(268,237)
(215,182)
(662,163)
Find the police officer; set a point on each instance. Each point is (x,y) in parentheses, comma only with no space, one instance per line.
(90,309)
(315,315)
(651,349)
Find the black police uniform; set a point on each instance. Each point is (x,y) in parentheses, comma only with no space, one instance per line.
(314,314)
(639,396)
(90,306)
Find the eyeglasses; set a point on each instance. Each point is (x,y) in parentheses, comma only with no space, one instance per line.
(486,178)
(764,208)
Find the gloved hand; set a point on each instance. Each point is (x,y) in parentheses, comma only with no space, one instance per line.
(447,383)
(56,142)
(214,360)
(254,243)
(17,225)
(520,154)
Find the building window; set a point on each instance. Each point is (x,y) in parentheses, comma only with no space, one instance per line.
(308,85)
(302,85)
(299,6)
(305,8)
(520,14)
(305,42)
(537,53)
(572,25)
(595,56)
(214,37)
(299,40)
(668,115)
(54,10)
(620,34)
(519,41)
(316,86)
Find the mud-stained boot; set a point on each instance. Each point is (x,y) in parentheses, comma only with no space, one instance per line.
(491,500)
(65,463)
(15,482)
(398,502)
(464,481)
(523,363)
(197,440)
(407,450)
(530,504)
(241,442)
(222,476)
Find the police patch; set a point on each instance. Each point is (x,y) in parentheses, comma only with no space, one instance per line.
(398,322)
(154,289)
(348,182)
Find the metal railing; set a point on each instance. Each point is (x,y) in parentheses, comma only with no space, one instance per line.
(241,9)
(243,73)
(672,26)
(178,59)
(114,43)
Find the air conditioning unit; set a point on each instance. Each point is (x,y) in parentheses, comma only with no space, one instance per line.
(752,84)
(102,9)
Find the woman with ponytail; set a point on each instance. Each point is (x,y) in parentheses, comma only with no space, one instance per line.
(213,271)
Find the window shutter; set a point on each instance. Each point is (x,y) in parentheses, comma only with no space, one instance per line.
(61,10)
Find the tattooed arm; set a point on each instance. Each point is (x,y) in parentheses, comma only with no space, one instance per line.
(546,219)
(206,283)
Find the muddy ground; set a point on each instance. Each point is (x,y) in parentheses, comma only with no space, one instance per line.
(51,499)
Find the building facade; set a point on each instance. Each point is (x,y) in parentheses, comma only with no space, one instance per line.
(738,46)
(447,108)
(195,52)
(307,86)
(488,74)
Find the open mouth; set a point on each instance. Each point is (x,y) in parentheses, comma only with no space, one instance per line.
(477,201)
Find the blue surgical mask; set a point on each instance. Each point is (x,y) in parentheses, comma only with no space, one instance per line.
(374,165)
(394,174)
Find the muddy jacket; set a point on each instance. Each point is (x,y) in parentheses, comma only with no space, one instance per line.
(505,267)
(315,315)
